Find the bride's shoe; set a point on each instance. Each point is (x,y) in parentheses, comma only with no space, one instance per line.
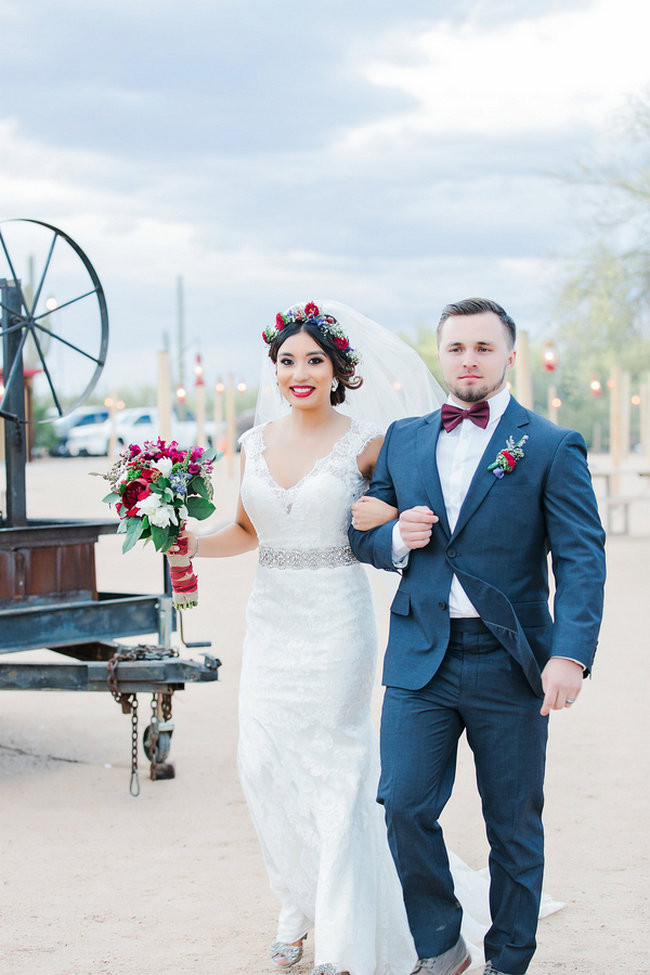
(289,952)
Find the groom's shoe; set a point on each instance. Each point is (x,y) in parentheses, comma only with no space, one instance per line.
(489,970)
(451,962)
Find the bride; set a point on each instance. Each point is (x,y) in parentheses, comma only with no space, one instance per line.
(308,755)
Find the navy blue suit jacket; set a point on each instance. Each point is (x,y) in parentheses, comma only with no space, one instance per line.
(498,549)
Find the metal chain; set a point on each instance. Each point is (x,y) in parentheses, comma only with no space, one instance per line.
(167,706)
(145,652)
(129,702)
(161,707)
(124,700)
(135,779)
(153,741)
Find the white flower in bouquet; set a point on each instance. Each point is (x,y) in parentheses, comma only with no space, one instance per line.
(164,465)
(157,511)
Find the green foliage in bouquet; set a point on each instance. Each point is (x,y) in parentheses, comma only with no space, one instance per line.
(157,487)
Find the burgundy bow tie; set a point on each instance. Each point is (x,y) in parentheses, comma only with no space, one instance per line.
(478,413)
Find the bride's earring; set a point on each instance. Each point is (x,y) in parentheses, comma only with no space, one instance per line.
(335,385)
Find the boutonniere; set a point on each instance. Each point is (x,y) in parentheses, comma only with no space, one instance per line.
(508,458)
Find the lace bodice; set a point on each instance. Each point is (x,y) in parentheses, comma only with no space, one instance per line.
(315,512)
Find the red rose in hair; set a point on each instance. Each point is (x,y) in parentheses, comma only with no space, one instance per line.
(311,310)
(279,321)
(135,491)
(341,343)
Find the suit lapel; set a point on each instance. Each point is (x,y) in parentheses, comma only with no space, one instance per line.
(427,438)
(484,480)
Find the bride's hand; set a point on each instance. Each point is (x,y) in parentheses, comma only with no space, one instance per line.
(370,513)
(192,544)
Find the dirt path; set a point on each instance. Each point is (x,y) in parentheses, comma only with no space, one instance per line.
(95,882)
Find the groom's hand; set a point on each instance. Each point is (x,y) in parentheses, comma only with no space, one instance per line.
(415,526)
(561,682)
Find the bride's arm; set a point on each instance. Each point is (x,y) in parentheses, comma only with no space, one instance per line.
(233,539)
(367,459)
(370,512)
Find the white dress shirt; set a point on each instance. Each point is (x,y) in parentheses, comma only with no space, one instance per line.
(458,453)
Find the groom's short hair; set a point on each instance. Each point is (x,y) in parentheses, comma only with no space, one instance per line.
(474,306)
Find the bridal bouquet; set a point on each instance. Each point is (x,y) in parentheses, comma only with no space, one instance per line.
(155,488)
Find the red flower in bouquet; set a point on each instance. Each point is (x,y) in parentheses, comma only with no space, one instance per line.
(133,491)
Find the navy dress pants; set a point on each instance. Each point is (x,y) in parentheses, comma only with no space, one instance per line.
(479,688)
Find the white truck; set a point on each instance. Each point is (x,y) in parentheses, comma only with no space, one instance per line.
(134,425)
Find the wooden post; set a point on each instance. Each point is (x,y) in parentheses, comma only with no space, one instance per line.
(164,395)
(230,423)
(614,386)
(523,381)
(200,403)
(180,310)
(218,415)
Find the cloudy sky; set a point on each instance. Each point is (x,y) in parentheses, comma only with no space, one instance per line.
(392,156)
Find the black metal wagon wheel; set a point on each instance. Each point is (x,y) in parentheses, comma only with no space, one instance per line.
(65,336)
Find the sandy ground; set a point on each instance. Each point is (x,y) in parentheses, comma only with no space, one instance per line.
(95,882)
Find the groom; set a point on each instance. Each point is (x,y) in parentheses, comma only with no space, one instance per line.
(485,488)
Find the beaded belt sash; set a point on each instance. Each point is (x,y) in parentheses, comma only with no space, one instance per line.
(311,558)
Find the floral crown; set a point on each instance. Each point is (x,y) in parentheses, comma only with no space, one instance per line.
(312,313)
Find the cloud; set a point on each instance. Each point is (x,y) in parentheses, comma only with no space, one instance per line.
(269,152)
(531,74)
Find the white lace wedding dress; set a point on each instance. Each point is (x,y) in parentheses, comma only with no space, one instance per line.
(308,754)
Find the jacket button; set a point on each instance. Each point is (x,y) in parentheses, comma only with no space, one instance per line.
(452,553)
(442,604)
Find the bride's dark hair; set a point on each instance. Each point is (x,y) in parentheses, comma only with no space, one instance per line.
(344,370)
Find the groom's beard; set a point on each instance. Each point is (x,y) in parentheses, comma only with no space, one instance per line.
(479,392)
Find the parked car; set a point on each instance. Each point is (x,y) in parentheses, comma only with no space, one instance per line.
(83,418)
(134,425)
